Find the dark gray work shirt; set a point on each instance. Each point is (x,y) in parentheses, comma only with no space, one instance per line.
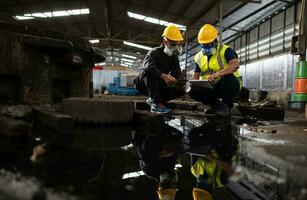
(157,62)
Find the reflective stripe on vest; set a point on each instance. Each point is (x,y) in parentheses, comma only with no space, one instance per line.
(219,59)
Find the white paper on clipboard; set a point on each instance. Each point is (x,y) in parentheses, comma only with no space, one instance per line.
(201,83)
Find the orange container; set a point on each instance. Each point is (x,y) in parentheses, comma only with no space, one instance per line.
(300,85)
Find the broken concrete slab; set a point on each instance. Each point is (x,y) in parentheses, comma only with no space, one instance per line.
(257,95)
(56,121)
(99,111)
(267,113)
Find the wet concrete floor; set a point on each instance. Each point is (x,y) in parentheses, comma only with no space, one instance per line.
(95,162)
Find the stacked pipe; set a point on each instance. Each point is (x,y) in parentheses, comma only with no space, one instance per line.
(300,83)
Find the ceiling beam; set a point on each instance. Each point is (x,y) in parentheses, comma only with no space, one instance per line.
(185,10)
(107,17)
(249,15)
(134,41)
(202,14)
(93,16)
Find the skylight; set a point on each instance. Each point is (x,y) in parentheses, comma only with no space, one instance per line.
(154,20)
(127,60)
(137,45)
(128,56)
(94,41)
(50,14)
(99,64)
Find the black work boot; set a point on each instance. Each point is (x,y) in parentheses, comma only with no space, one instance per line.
(223,110)
(210,110)
(212,107)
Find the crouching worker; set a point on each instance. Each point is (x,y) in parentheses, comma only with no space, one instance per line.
(218,63)
(157,159)
(161,70)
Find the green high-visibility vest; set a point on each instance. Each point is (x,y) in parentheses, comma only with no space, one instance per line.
(217,62)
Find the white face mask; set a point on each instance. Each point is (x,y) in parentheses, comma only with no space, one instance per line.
(177,50)
(168,51)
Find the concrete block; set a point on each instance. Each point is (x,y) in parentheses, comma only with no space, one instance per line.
(17,111)
(99,111)
(141,105)
(56,121)
(13,127)
(183,105)
(147,117)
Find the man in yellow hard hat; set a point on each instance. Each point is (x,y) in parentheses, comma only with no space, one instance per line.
(213,148)
(160,69)
(218,63)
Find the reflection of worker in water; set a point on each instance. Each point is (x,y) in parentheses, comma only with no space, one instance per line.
(219,64)
(160,70)
(157,160)
(211,167)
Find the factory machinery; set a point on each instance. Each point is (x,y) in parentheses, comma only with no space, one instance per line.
(123,84)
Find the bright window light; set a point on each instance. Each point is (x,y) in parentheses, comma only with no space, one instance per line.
(59,13)
(141,173)
(74,12)
(151,20)
(163,23)
(178,166)
(125,65)
(84,11)
(154,20)
(48,14)
(94,41)
(99,64)
(23,17)
(127,60)
(278,35)
(133,174)
(39,15)
(128,56)
(137,45)
(136,16)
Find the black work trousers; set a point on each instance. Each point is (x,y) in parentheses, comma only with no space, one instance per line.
(157,89)
(226,88)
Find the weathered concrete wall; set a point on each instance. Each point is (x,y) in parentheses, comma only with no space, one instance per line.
(38,73)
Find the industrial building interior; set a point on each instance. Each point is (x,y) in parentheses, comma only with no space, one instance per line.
(75,126)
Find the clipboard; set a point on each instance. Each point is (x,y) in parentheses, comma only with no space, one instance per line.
(201,83)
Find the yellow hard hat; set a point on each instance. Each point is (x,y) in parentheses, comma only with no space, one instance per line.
(167,194)
(207,34)
(173,33)
(200,194)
